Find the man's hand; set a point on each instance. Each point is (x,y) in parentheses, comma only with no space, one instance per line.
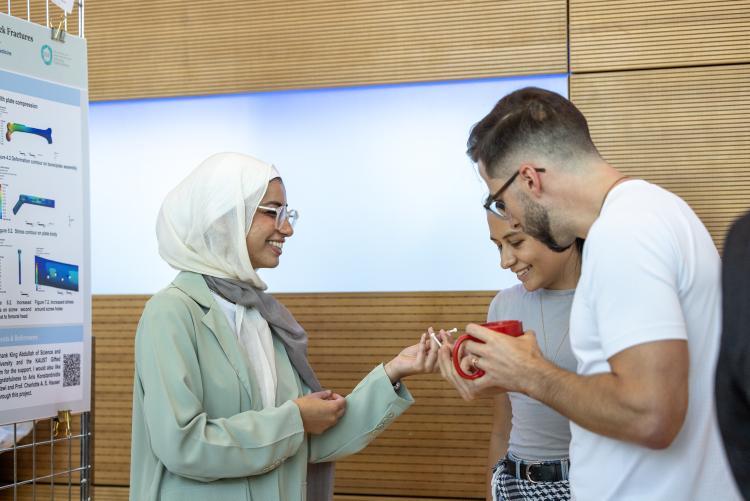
(643,399)
(508,362)
(320,410)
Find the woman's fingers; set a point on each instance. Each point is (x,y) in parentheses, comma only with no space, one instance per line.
(419,363)
(320,410)
(467,364)
(434,341)
(340,402)
(445,364)
(446,339)
(432,354)
(322,394)
(444,361)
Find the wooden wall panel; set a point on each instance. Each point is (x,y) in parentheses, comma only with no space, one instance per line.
(114,321)
(437,449)
(424,453)
(685,129)
(639,34)
(174,48)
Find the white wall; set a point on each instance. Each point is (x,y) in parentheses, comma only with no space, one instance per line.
(388,199)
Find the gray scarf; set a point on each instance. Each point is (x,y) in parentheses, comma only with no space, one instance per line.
(293,336)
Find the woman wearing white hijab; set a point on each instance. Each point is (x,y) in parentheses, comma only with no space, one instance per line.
(225,404)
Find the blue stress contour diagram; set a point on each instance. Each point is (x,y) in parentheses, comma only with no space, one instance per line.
(55,274)
(31,199)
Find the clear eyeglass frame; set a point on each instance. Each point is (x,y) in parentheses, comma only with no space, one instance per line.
(283,214)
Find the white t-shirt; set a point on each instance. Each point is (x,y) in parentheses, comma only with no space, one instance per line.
(538,433)
(650,272)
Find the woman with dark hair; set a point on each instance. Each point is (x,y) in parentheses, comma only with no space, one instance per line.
(528,452)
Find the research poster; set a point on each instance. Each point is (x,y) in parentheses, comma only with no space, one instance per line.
(45,320)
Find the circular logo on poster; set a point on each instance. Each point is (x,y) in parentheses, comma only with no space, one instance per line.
(47,54)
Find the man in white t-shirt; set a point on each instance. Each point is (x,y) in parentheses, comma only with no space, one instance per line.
(645,321)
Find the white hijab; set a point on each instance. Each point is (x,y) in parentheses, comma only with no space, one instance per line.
(202,227)
(203,222)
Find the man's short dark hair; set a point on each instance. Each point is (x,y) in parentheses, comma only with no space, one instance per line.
(529,120)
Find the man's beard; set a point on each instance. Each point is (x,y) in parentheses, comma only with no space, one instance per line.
(538,225)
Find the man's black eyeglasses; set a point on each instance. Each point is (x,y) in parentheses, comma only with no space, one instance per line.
(496,206)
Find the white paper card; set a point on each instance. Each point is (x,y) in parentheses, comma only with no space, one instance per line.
(66,5)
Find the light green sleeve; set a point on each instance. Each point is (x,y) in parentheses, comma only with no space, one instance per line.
(370,408)
(181,435)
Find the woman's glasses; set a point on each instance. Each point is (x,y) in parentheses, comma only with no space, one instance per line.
(283,214)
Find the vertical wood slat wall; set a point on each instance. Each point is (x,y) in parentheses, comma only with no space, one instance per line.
(666,89)
(437,449)
(643,34)
(684,129)
(172,48)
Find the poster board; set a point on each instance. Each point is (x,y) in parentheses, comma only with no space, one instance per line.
(45,300)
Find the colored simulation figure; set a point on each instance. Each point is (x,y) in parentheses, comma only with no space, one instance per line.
(30,199)
(14,127)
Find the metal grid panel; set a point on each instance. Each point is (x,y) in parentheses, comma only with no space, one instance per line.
(53,461)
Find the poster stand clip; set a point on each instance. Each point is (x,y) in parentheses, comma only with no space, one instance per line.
(64,418)
(58,33)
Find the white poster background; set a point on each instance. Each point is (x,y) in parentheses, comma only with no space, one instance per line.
(388,199)
(30,167)
(45,320)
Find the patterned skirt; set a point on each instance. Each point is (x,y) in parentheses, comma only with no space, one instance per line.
(506,487)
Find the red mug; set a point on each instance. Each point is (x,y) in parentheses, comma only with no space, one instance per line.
(508,327)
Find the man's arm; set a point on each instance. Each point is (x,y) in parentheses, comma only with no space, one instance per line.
(643,400)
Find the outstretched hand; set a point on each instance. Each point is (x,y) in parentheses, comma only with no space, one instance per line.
(420,358)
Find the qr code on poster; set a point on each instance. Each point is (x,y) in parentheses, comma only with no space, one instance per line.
(72,369)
